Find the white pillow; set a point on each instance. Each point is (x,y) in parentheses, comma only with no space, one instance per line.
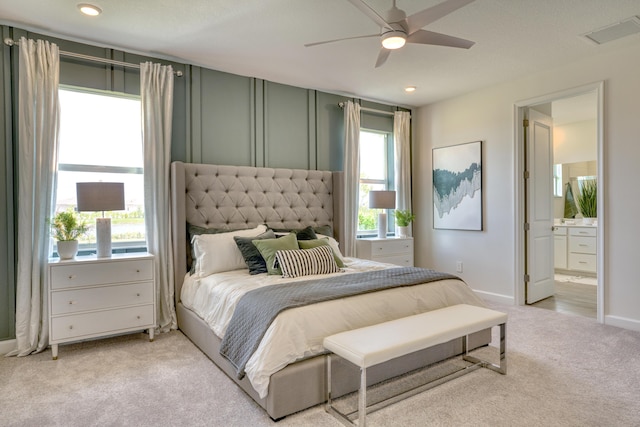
(334,245)
(215,253)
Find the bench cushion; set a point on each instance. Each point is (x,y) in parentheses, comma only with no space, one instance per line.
(375,344)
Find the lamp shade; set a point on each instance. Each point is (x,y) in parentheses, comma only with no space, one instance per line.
(382,199)
(100,196)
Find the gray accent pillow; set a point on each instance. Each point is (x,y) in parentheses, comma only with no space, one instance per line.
(251,254)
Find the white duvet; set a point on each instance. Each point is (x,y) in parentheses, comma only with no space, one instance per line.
(298,333)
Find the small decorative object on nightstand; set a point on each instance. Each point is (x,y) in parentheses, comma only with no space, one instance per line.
(93,297)
(393,250)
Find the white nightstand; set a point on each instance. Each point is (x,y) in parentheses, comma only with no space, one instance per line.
(395,250)
(93,297)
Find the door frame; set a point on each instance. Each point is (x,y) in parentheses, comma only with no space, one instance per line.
(519,168)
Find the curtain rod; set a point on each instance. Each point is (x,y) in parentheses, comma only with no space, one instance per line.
(371,110)
(10,42)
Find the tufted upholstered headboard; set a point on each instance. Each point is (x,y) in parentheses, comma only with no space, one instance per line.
(237,197)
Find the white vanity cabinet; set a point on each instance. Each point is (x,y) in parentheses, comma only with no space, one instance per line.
(560,247)
(393,250)
(575,249)
(582,249)
(93,297)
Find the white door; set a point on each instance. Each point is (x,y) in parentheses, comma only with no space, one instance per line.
(539,210)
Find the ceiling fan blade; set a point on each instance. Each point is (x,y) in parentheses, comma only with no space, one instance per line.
(372,14)
(429,37)
(337,40)
(382,57)
(432,14)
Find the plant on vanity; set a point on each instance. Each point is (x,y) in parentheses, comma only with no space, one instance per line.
(67,228)
(588,199)
(403,219)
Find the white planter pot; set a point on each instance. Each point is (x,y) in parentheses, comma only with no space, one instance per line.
(67,249)
(403,231)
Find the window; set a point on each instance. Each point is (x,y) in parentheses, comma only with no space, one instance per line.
(557,180)
(376,173)
(101,140)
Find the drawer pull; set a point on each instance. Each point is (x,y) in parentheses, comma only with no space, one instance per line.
(72,302)
(138,270)
(138,317)
(584,246)
(70,326)
(582,262)
(138,294)
(72,276)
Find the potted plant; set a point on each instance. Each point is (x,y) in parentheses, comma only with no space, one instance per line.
(588,201)
(67,228)
(403,219)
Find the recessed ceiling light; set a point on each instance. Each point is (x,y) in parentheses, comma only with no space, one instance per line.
(410,89)
(89,9)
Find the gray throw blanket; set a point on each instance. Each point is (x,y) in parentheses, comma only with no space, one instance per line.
(257,308)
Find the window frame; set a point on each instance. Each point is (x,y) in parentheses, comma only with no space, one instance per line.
(388,182)
(119,247)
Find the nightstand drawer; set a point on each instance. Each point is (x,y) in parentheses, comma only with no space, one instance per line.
(405,260)
(86,325)
(391,246)
(77,300)
(90,274)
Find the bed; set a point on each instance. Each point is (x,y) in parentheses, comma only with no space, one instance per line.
(230,198)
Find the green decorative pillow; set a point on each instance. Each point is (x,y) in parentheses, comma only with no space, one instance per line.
(268,248)
(309,244)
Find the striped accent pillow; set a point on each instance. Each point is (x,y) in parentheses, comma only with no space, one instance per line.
(304,262)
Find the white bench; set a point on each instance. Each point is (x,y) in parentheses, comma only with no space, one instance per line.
(371,345)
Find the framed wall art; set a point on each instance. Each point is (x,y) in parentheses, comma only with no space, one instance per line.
(457,187)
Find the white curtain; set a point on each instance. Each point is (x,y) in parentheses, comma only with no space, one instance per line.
(38,128)
(351,175)
(402,167)
(156,89)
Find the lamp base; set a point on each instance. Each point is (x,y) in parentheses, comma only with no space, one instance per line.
(382,225)
(103,237)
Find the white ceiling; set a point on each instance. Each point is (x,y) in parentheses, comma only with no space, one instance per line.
(265,39)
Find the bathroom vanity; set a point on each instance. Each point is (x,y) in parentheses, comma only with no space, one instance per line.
(575,248)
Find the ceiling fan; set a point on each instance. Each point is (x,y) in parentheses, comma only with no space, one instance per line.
(398,28)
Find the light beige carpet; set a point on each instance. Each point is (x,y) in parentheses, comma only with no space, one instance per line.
(563,371)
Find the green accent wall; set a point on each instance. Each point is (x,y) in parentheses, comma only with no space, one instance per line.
(218,118)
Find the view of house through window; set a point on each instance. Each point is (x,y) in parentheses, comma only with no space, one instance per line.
(101,141)
(375,170)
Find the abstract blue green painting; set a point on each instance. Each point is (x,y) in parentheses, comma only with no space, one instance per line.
(457,187)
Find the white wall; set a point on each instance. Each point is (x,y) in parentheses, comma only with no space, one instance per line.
(488,115)
(575,142)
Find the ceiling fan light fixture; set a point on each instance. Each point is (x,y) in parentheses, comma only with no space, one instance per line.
(89,9)
(394,40)
(410,89)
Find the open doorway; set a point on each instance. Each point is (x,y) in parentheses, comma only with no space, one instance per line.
(569,250)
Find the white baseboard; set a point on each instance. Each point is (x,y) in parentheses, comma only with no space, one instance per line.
(7,346)
(502,299)
(622,322)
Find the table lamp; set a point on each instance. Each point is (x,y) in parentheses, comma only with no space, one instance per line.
(96,197)
(382,200)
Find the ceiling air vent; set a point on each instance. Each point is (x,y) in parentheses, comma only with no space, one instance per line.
(615,31)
